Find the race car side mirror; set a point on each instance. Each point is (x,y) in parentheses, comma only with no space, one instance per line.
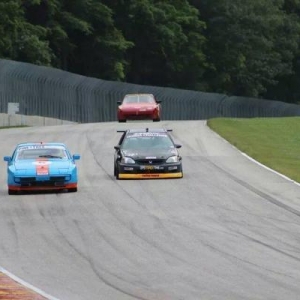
(177,146)
(7,158)
(116,147)
(76,156)
(119,102)
(158,101)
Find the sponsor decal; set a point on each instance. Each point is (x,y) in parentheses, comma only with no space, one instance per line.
(40,146)
(42,167)
(41,162)
(150,175)
(151,168)
(146,134)
(31,147)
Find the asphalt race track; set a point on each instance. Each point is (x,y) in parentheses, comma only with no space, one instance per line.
(228,230)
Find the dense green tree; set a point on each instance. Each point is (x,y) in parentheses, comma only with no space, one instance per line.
(250,44)
(168,41)
(100,50)
(50,16)
(19,39)
(247,48)
(82,35)
(288,88)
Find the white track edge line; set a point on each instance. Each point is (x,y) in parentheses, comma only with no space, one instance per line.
(253,160)
(264,166)
(27,285)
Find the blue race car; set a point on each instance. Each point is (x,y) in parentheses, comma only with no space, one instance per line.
(41,167)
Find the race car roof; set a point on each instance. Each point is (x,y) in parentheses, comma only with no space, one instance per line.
(145,130)
(139,94)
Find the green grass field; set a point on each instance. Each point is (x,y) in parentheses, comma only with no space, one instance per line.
(275,142)
(8,127)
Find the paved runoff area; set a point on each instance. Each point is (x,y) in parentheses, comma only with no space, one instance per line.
(229,229)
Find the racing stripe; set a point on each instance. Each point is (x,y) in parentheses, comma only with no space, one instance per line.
(42,167)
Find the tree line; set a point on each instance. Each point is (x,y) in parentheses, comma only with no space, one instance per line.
(236,47)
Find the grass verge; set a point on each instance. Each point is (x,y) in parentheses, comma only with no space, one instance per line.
(274,142)
(9,127)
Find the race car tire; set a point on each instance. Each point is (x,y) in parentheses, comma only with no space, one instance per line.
(117,173)
(122,121)
(181,172)
(12,192)
(156,120)
(115,170)
(72,190)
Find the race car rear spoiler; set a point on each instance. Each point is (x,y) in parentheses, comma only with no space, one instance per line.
(147,130)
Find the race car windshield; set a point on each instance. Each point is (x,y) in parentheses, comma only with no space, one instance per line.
(148,142)
(41,153)
(139,99)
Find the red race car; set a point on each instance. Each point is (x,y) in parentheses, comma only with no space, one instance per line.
(139,107)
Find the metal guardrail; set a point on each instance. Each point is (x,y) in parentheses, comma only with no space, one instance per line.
(53,93)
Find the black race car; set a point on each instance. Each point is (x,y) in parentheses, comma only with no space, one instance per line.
(147,153)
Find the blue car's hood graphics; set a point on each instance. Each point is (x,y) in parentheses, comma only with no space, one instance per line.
(42,167)
(160,153)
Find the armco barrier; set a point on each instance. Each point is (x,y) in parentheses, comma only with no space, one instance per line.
(53,93)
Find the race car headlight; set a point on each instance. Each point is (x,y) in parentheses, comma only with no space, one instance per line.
(63,171)
(172,159)
(127,160)
(20,172)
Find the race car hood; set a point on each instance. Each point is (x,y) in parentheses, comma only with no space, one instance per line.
(33,164)
(160,153)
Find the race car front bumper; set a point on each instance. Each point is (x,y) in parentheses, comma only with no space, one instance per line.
(150,171)
(22,188)
(150,175)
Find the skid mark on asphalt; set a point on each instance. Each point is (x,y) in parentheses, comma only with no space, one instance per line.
(256,191)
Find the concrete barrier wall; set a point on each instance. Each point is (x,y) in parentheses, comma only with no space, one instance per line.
(22,120)
(56,94)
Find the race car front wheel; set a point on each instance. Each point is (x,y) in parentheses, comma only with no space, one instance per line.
(12,192)
(116,173)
